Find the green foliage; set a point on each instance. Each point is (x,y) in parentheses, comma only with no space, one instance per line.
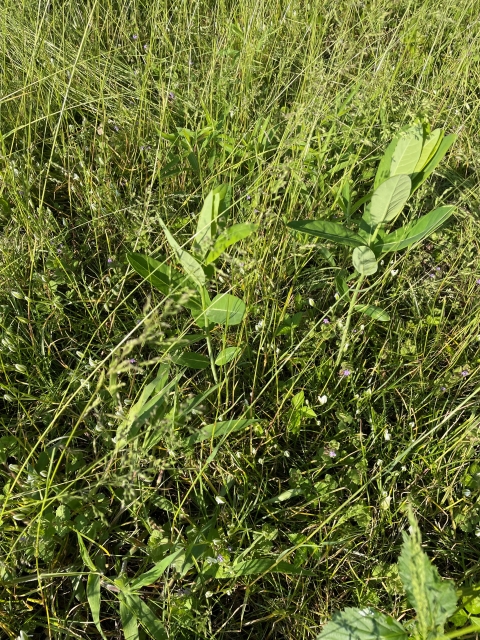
(433,599)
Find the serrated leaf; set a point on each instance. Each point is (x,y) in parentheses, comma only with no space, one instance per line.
(407,151)
(191,267)
(362,624)
(230,236)
(226,309)
(227,355)
(219,429)
(364,261)
(414,232)
(156,572)
(430,145)
(388,200)
(434,599)
(128,620)
(374,312)
(438,156)
(94,600)
(191,360)
(145,616)
(329,231)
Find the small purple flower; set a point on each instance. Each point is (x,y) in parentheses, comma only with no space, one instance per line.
(331,453)
(220,558)
(431,275)
(132,361)
(116,128)
(443,388)
(477,280)
(110,260)
(465,373)
(437,268)
(326,321)
(135,36)
(145,47)
(345,372)
(249,197)
(171,96)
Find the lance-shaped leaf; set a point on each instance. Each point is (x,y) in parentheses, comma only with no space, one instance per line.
(414,232)
(362,624)
(191,360)
(437,157)
(227,355)
(328,231)
(407,151)
(230,236)
(388,200)
(165,279)
(142,612)
(374,312)
(430,145)
(156,572)
(191,267)
(128,619)
(207,220)
(226,309)
(364,261)
(434,599)
(93,597)
(383,171)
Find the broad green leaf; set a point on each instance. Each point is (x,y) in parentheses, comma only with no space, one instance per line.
(329,231)
(145,616)
(128,619)
(203,237)
(374,312)
(255,567)
(226,309)
(407,151)
(383,171)
(191,267)
(230,236)
(434,599)
(198,313)
(341,283)
(430,145)
(93,597)
(388,200)
(362,624)
(226,355)
(219,429)
(438,156)
(165,279)
(152,270)
(415,231)
(364,261)
(156,572)
(191,360)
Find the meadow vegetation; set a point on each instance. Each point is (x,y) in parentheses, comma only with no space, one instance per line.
(171,471)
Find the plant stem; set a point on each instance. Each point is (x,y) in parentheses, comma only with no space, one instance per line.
(212,358)
(473,628)
(349,317)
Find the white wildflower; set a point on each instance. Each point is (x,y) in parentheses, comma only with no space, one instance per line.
(322,399)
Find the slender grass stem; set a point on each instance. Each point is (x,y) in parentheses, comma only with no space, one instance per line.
(349,317)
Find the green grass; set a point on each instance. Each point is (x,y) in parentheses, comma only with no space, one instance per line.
(287,101)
